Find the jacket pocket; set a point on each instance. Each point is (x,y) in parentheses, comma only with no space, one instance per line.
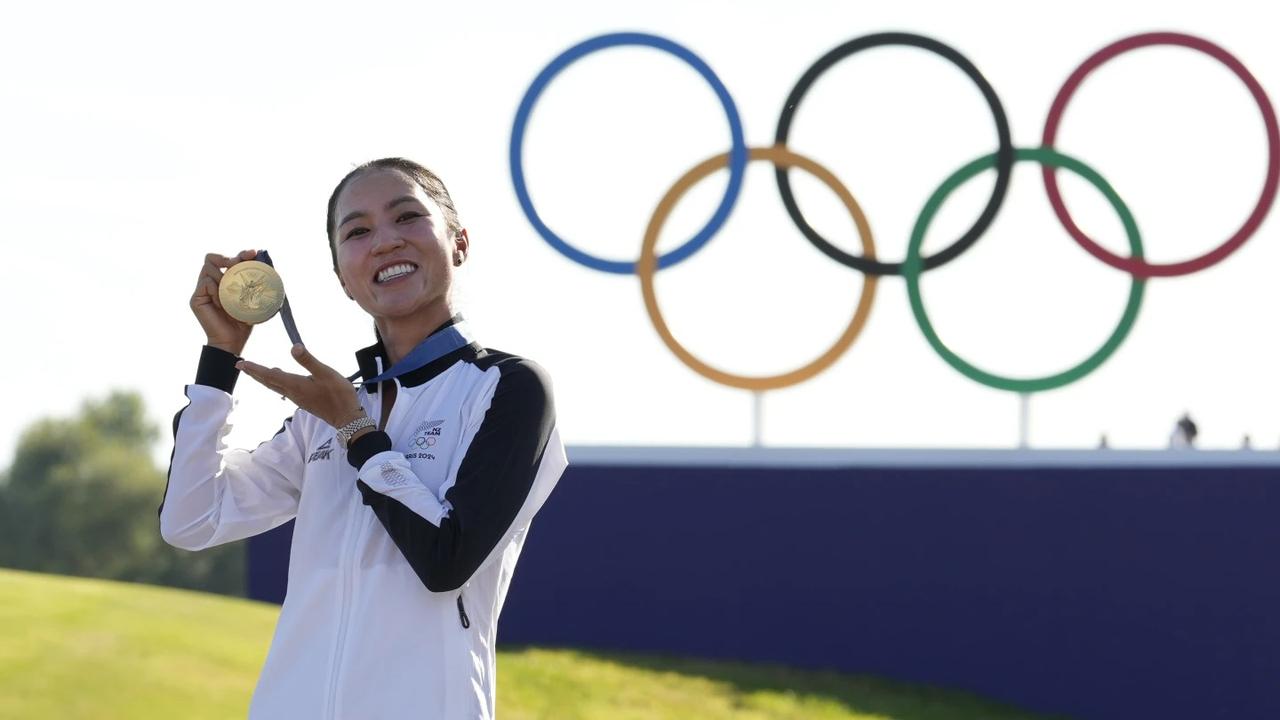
(462,614)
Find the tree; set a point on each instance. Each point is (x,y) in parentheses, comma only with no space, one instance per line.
(81,498)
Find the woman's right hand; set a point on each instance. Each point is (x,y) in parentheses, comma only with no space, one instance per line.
(221,330)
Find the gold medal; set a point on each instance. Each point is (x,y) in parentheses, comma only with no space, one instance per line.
(251,291)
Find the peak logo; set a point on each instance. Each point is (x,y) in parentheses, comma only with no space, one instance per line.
(323,452)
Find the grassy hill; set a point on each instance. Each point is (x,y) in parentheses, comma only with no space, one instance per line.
(80,648)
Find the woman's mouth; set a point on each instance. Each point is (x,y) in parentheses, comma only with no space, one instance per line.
(394,272)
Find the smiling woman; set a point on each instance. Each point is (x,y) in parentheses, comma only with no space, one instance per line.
(444,455)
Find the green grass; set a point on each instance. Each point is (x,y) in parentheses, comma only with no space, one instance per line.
(80,648)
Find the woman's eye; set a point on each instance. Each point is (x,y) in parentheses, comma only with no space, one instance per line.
(410,215)
(354,232)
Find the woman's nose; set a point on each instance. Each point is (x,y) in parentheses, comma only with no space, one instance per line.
(386,240)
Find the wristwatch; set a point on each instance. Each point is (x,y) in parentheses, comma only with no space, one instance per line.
(346,431)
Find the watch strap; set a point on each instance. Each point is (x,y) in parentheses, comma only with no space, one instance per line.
(346,431)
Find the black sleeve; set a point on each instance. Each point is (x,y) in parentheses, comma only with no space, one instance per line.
(217,369)
(366,446)
(493,481)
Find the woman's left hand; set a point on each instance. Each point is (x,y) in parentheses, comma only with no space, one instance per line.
(324,393)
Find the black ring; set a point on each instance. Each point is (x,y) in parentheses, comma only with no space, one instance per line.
(1004,154)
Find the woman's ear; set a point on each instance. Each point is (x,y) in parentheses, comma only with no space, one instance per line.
(461,243)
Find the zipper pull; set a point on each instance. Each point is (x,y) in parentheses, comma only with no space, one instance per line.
(462,614)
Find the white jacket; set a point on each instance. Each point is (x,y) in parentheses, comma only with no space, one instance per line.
(397,572)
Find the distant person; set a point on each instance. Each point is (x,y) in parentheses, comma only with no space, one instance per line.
(1184,433)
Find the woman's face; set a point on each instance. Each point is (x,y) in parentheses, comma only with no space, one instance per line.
(395,255)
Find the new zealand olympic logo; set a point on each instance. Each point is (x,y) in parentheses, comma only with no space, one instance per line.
(914,264)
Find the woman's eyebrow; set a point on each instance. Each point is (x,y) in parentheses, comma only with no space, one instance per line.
(360,213)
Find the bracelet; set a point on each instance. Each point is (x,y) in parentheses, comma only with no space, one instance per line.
(346,431)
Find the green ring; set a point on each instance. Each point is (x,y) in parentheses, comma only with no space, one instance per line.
(911,271)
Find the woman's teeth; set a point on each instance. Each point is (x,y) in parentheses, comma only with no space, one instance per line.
(395,271)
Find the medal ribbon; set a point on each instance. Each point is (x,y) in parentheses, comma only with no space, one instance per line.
(286,315)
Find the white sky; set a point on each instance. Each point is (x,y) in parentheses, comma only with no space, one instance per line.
(139,136)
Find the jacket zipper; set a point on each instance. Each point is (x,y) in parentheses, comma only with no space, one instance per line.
(462,614)
(344,564)
(343,561)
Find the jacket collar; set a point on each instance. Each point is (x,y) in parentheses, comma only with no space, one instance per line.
(373,360)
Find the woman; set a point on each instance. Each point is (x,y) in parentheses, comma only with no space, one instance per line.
(412,495)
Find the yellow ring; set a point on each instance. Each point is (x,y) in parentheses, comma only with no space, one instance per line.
(780,156)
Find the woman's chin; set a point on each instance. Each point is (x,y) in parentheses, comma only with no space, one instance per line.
(388,311)
(398,301)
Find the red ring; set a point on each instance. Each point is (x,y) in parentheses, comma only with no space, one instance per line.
(1136,266)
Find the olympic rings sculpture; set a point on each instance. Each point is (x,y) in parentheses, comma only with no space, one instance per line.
(915,264)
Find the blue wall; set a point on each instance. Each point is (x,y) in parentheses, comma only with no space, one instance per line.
(1099,592)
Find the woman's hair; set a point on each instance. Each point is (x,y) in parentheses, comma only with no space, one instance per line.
(427,180)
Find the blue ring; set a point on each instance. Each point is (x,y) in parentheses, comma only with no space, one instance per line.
(737,153)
